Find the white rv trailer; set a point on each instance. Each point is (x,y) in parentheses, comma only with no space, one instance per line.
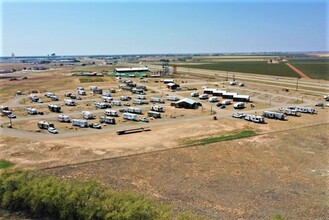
(154,114)
(134,110)
(255,118)
(80,123)
(111,112)
(102,105)
(69,102)
(32,111)
(156,99)
(63,118)
(107,120)
(116,103)
(107,99)
(45,125)
(156,108)
(87,115)
(303,109)
(287,111)
(129,116)
(139,102)
(203,96)
(54,108)
(274,115)
(172,98)
(141,97)
(239,105)
(213,99)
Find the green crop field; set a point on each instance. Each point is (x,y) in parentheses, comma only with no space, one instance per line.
(257,67)
(316,69)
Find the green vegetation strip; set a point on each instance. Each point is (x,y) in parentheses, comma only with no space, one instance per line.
(91,79)
(4,164)
(48,197)
(209,140)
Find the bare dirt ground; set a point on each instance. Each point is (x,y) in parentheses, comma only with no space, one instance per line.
(254,178)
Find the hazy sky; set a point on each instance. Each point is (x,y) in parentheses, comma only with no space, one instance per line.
(146,27)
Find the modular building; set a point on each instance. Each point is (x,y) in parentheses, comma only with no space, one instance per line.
(209,91)
(218,92)
(229,95)
(241,98)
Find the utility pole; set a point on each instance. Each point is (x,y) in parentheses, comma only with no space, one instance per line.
(297,83)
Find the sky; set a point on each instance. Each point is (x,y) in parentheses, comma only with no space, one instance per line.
(82,27)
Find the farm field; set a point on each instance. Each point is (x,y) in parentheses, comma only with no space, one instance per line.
(260,67)
(316,69)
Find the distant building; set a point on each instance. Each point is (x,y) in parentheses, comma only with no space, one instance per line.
(131,72)
(39,68)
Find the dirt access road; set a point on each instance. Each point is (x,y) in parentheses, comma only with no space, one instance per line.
(302,75)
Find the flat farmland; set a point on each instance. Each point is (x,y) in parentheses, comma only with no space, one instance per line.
(316,69)
(256,67)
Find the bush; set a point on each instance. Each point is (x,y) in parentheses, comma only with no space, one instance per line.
(47,196)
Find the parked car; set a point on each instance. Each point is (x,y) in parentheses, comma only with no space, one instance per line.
(143,119)
(11,116)
(52,130)
(221,105)
(239,115)
(319,104)
(95,125)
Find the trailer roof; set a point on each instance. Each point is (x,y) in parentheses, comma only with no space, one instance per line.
(242,96)
(187,100)
(230,93)
(131,69)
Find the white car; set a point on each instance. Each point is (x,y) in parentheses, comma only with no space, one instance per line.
(144,119)
(239,115)
(52,130)
(11,116)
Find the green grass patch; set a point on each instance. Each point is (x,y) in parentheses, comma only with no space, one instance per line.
(5,164)
(91,79)
(256,67)
(209,140)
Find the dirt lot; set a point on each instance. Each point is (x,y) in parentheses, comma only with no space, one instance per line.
(283,170)
(255,178)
